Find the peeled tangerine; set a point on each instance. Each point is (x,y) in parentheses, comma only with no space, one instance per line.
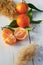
(8,36)
(20,33)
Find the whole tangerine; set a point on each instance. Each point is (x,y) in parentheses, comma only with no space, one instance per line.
(22,8)
(23,20)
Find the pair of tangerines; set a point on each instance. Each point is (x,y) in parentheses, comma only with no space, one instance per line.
(11,37)
(22,20)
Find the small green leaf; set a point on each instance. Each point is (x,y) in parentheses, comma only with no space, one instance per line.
(34,7)
(29,28)
(36,22)
(7,27)
(23,1)
(13,24)
(29,14)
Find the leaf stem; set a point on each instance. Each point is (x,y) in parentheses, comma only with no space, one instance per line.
(34,7)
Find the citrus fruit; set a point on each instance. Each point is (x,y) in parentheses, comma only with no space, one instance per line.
(23,20)
(22,8)
(8,36)
(20,33)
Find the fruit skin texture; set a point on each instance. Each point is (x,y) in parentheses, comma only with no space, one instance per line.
(8,36)
(20,33)
(23,20)
(22,8)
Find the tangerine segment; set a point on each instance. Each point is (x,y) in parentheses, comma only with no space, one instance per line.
(8,36)
(10,40)
(20,33)
(6,32)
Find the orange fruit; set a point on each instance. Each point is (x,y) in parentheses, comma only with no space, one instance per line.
(10,40)
(23,20)
(22,8)
(20,33)
(8,36)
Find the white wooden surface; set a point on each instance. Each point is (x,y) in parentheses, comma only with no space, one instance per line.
(8,53)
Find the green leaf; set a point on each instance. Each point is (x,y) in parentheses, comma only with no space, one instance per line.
(13,24)
(29,14)
(36,22)
(34,7)
(23,1)
(29,28)
(7,27)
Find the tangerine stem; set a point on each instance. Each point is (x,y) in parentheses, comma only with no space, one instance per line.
(30,43)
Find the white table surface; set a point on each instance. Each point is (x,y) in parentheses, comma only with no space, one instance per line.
(8,53)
